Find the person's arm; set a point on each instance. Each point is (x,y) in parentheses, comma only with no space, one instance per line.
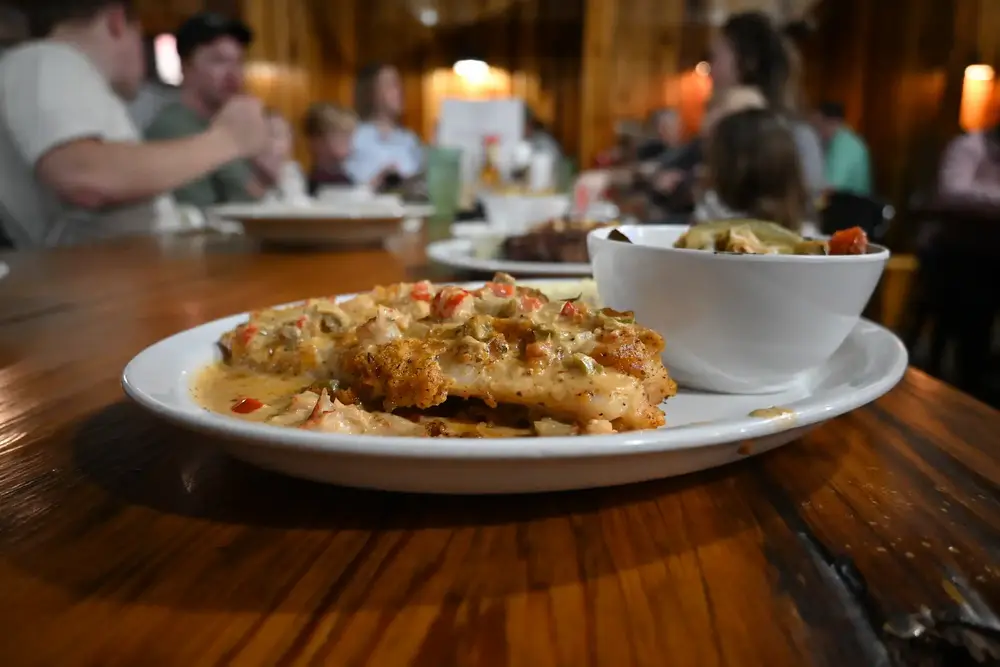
(57,112)
(92,173)
(957,178)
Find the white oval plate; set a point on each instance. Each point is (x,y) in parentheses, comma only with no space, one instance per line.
(705,430)
(348,223)
(459,253)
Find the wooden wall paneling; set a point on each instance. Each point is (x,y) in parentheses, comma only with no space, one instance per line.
(899,109)
(159,16)
(631,53)
(339,48)
(558,39)
(598,69)
(890,68)
(631,43)
(988,43)
(666,49)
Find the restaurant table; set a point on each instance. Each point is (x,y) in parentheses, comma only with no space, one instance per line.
(127,541)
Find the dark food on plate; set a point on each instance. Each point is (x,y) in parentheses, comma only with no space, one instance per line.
(756,237)
(429,360)
(559,241)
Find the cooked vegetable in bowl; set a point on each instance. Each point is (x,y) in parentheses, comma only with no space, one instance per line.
(736,320)
(757,237)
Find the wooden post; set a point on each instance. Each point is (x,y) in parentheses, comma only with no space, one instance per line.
(599,29)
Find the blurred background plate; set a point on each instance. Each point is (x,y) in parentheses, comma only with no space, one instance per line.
(461,254)
(331,225)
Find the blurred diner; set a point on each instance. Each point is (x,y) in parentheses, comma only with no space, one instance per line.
(329,129)
(74,166)
(384,153)
(848,168)
(753,170)
(212,49)
(749,50)
(290,181)
(664,135)
(970,169)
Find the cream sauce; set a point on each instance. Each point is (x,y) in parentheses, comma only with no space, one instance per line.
(219,388)
(774,412)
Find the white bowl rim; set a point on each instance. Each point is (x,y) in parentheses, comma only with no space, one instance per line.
(876,252)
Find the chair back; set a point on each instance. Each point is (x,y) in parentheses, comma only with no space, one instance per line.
(844,210)
(5,219)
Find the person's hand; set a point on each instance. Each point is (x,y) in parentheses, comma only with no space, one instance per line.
(667,181)
(270,162)
(379,179)
(243,123)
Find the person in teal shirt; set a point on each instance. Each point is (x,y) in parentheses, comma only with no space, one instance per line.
(848,167)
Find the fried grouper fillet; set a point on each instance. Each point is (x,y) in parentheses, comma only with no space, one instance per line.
(414,346)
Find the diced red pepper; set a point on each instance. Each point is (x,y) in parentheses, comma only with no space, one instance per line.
(530,304)
(421,291)
(569,309)
(247,405)
(501,289)
(249,331)
(447,301)
(301,322)
(851,241)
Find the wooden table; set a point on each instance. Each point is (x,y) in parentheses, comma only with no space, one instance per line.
(124,541)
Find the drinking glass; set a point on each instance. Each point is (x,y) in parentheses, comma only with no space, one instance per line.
(444,181)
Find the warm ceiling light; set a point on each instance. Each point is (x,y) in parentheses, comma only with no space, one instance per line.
(977,94)
(703,69)
(472,70)
(979,73)
(429,17)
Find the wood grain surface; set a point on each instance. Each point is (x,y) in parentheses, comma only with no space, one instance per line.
(124,541)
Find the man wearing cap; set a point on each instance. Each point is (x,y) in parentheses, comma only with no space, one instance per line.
(74,166)
(212,49)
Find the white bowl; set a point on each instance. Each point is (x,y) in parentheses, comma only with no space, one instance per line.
(742,324)
(515,214)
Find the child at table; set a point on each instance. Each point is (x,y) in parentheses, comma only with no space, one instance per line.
(752,170)
(289,181)
(330,131)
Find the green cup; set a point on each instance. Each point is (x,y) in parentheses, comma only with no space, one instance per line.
(565,174)
(444,184)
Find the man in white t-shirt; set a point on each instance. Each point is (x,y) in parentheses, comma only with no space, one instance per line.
(73,164)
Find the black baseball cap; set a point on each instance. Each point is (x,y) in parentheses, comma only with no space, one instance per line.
(207,27)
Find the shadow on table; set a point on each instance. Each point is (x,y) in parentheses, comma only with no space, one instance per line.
(254,525)
(146,462)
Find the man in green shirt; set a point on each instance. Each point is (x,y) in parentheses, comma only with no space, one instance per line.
(212,49)
(848,168)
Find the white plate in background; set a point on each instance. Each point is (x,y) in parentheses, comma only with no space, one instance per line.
(356,222)
(461,253)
